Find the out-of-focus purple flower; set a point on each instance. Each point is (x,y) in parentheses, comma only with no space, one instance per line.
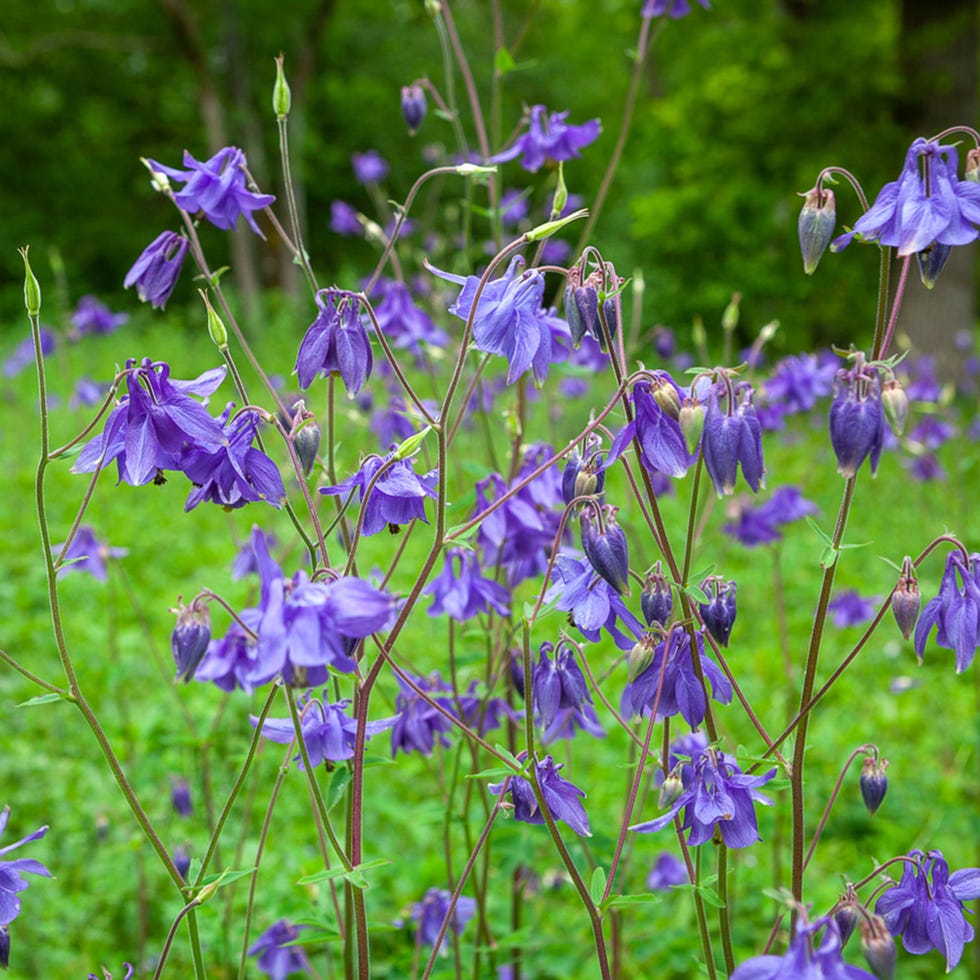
(335,343)
(405,326)
(218,188)
(87,393)
(931,433)
(92,316)
(549,137)
(924,467)
(672,8)
(850,609)
(732,439)
(23,354)
(563,798)
(805,958)
(277,959)
(926,907)
(680,690)
(557,683)
(413,106)
(857,420)
(328,731)
(506,321)
(719,795)
(369,167)
(760,524)
(955,612)
(235,473)
(180,796)
(87,553)
(155,272)
(462,591)
(182,860)
(434,910)
(927,204)
(797,382)
(418,724)
(11,882)
(344,220)
(668,870)
(920,381)
(514,207)
(397,496)
(395,421)
(246,561)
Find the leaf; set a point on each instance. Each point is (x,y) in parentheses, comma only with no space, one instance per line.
(598,884)
(503,62)
(709,896)
(43,699)
(355,875)
(338,786)
(642,898)
(820,532)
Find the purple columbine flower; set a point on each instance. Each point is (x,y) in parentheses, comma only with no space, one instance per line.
(718,613)
(680,690)
(92,316)
(564,799)
(797,382)
(155,424)
(507,321)
(805,958)
(233,660)
(606,548)
(23,354)
(217,188)
(760,524)
(337,342)
(87,393)
(733,439)
(11,882)
(277,959)
(719,795)
(87,553)
(414,106)
(328,731)
(549,137)
(662,445)
(927,204)
(850,609)
(405,326)
(246,560)
(155,272)
(857,419)
(397,496)
(656,599)
(668,870)
(370,167)
(557,684)
(955,612)
(191,636)
(419,725)
(434,910)
(235,473)
(344,220)
(462,591)
(672,8)
(926,907)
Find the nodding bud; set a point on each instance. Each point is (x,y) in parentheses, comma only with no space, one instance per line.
(816,226)
(32,288)
(561,193)
(305,437)
(895,405)
(414,106)
(191,636)
(670,788)
(847,914)
(718,613)
(216,326)
(657,599)
(607,550)
(932,260)
(691,420)
(582,306)
(729,319)
(665,395)
(878,947)
(641,656)
(582,477)
(906,599)
(874,782)
(282,98)
(973,165)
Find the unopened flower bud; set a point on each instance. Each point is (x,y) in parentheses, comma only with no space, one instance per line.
(180,796)
(847,915)
(561,193)
(878,947)
(665,395)
(32,288)
(718,613)
(305,436)
(656,600)
(691,420)
(216,326)
(670,789)
(581,306)
(282,98)
(816,226)
(729,319)
(191,636)
(895,405)
(641,656)
(414,106)
(973,165)
(582,477)
(874,782)
(906,599)
(932,260)
(607,550)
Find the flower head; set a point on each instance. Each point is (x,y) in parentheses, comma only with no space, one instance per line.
(955,612)
(733,438)
(462,591)
(92,316)
(563,798)
(658,432)
(549,137)
(336,343)
(857,419)
(761,524)
(370,167)
(191,636)
(668,870)
(87,553)
(155,272)
(217,188)
(402,322)
(11,882)
(606,548)
(433,911)
(413,106)
(277,959)
(557,683)
(419,725)
(719,612)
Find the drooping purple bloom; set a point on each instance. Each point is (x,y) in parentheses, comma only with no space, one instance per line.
(155,272)
(506,321)
(873,783)
(557,683)
(235,473)
(731,439)
(217,188)
(419,725)
(805,959)
(106,975)
(955,611)
(926,907)
(662,445)
(549,137)
(23,354)
(857,420)
(336,343)
(672,8)
(719,795)
(277,959)
(668,870)
(434,910)
(680,691)
(191,636)
(397,496)
(246,560)
(155,424)
(344,221)
(87,553)
(927,204)
(413,106)
(328,731)
(850,609)
(369,167)
(405,326)
(718,613)
(563,798)
(11,882)
(656,599)
(606,548)
(462,591)
(92,316)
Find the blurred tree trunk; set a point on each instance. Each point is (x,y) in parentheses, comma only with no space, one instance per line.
(938,59)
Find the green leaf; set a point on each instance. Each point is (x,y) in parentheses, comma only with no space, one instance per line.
(643,898)
(820,532)
(43,699)
(709,896)
(338,786)
(223,878)
(355,876)
(504,62)
(598,884)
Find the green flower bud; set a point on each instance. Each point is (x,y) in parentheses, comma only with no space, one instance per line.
(216,327)
(32,289)
(729,319)
(561,193)
(282,98)
(665,395)
(670,789)
(691,419)
(550,227)
(816,226)
(895,404)
(641,656)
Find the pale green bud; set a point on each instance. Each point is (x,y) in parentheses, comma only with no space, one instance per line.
(282,98)
(32,288)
